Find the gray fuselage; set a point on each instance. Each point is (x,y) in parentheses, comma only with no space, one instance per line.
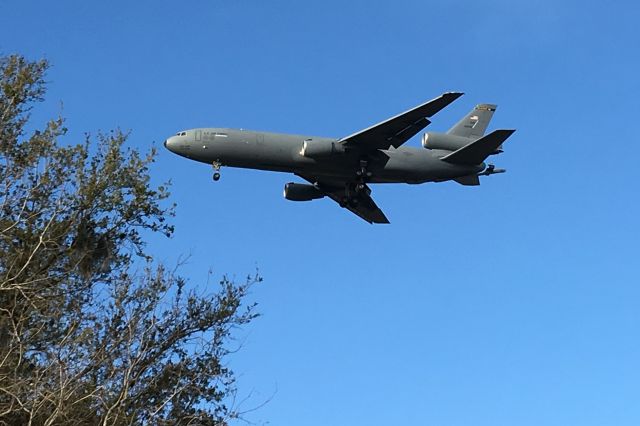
(283,153)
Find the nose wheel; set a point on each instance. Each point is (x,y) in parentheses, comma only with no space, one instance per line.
(216,170)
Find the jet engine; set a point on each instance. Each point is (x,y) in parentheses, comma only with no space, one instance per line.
(433,140)
(320,148)
(301,192)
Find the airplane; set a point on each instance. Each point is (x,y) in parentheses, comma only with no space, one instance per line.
(343,168)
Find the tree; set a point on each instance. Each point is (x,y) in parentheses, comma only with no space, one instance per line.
(92,330)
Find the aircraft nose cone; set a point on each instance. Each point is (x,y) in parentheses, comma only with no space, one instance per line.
(171,144)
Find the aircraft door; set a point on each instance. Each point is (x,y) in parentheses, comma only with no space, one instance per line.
(198,135)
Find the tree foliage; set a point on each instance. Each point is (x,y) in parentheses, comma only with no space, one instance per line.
(92,330)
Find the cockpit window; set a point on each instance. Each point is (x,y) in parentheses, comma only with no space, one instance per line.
(181,134)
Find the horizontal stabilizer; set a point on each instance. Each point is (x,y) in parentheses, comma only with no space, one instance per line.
(476,152)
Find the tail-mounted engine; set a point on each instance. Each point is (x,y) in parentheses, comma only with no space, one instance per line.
(433,140)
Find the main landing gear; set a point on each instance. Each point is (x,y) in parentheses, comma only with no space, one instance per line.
(362,176)
(363,173)
(355,191)
(216,169)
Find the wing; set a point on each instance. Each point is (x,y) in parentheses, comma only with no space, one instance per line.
(366,208)
(399,129)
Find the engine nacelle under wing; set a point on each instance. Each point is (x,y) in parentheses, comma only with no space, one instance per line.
(301,192)
(321,148)
(433,140)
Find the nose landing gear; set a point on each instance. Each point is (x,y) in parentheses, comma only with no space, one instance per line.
(216,168)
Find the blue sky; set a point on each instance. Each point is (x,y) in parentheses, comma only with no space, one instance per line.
(515,302)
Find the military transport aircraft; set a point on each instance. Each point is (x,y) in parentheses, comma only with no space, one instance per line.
(342,169)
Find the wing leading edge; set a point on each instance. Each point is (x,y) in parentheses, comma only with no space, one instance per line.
(365,208)
(397,130)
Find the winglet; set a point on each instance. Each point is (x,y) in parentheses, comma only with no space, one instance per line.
(476,152)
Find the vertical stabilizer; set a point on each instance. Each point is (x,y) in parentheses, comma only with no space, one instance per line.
(474,124)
